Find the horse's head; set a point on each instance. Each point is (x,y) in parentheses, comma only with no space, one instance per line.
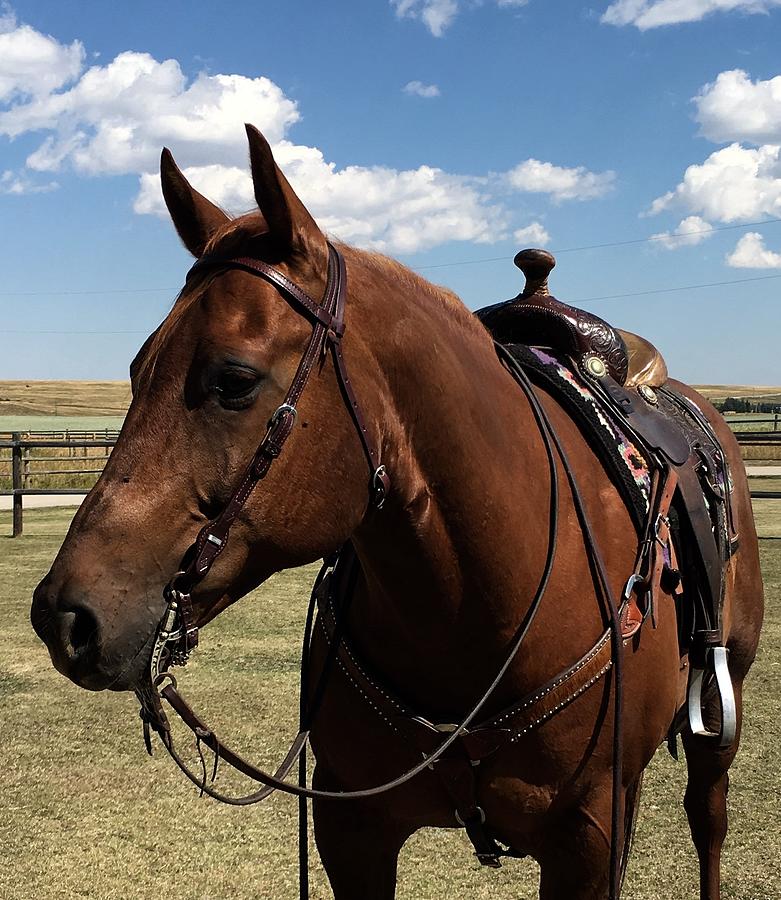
(205,385)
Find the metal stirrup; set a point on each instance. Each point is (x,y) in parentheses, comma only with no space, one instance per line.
(729,718)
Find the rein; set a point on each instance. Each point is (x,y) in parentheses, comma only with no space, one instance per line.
(177,634)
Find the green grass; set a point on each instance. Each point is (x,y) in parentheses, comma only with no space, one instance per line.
(85,814)
(60,423)
(739,422)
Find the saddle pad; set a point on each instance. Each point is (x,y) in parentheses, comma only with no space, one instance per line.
(623,460)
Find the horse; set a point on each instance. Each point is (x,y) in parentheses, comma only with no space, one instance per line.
(448,564)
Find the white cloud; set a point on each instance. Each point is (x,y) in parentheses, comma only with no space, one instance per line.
(34,63)
(646,14)
(735,108)
(228,186)
(377,207)
(736,183)
(116,117)
(113,119)
(534,176)
(751,253)
(438,15)
(534,234)
(418,89)
(733,184)
(16,183)
(691,231)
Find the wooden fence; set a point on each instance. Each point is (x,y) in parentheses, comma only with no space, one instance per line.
(25,466)
(759,438)
(773,419)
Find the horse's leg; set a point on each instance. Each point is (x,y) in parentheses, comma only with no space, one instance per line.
(359,851)
(359,847)
(576,865)
(706,799)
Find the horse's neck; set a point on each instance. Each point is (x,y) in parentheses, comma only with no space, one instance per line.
(467,521)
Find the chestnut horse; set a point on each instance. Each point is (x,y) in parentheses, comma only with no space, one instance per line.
(448,566)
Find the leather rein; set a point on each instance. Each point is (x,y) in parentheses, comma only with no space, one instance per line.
(177,633)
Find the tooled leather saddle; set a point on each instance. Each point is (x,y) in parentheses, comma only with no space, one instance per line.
(688,534)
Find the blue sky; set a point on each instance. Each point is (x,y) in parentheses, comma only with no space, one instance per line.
(447,133)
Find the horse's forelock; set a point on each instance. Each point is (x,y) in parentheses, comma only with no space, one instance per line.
(237,236)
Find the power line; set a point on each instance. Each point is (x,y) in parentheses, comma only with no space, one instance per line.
(671,290)
(86,293)
(688,287)
(654,238)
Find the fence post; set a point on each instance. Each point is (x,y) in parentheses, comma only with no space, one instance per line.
(16,483)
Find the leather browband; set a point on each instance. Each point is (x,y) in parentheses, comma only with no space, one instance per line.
(318,311)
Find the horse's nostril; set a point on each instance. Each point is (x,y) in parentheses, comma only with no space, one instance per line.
(80,627)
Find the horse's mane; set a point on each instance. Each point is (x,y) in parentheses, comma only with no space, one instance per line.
(411,284)
(247,235)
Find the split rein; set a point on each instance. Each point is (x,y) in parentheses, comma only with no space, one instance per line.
(177,634)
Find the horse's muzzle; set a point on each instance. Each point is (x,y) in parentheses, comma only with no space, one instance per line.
(76,637)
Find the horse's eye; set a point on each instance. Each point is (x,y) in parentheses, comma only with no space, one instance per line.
(235,384)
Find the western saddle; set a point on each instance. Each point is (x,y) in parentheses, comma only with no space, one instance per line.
(689,523)
(535,317)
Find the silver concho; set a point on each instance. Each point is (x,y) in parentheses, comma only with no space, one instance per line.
(648,394)
(594,365)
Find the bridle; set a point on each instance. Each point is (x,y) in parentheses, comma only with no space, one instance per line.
(177,633)
(327,318)
(328,321)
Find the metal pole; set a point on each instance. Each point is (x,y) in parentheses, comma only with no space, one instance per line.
(16,484)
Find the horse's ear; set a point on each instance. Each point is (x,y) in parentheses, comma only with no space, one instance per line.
(288,219)
(195,218)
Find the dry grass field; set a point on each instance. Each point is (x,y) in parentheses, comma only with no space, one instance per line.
(762,483)
(112,398)
(64,398)
(55,467)
(757,392)
(85,814)
(57,406)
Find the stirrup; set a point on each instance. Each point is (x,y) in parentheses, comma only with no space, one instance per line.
(716,664)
